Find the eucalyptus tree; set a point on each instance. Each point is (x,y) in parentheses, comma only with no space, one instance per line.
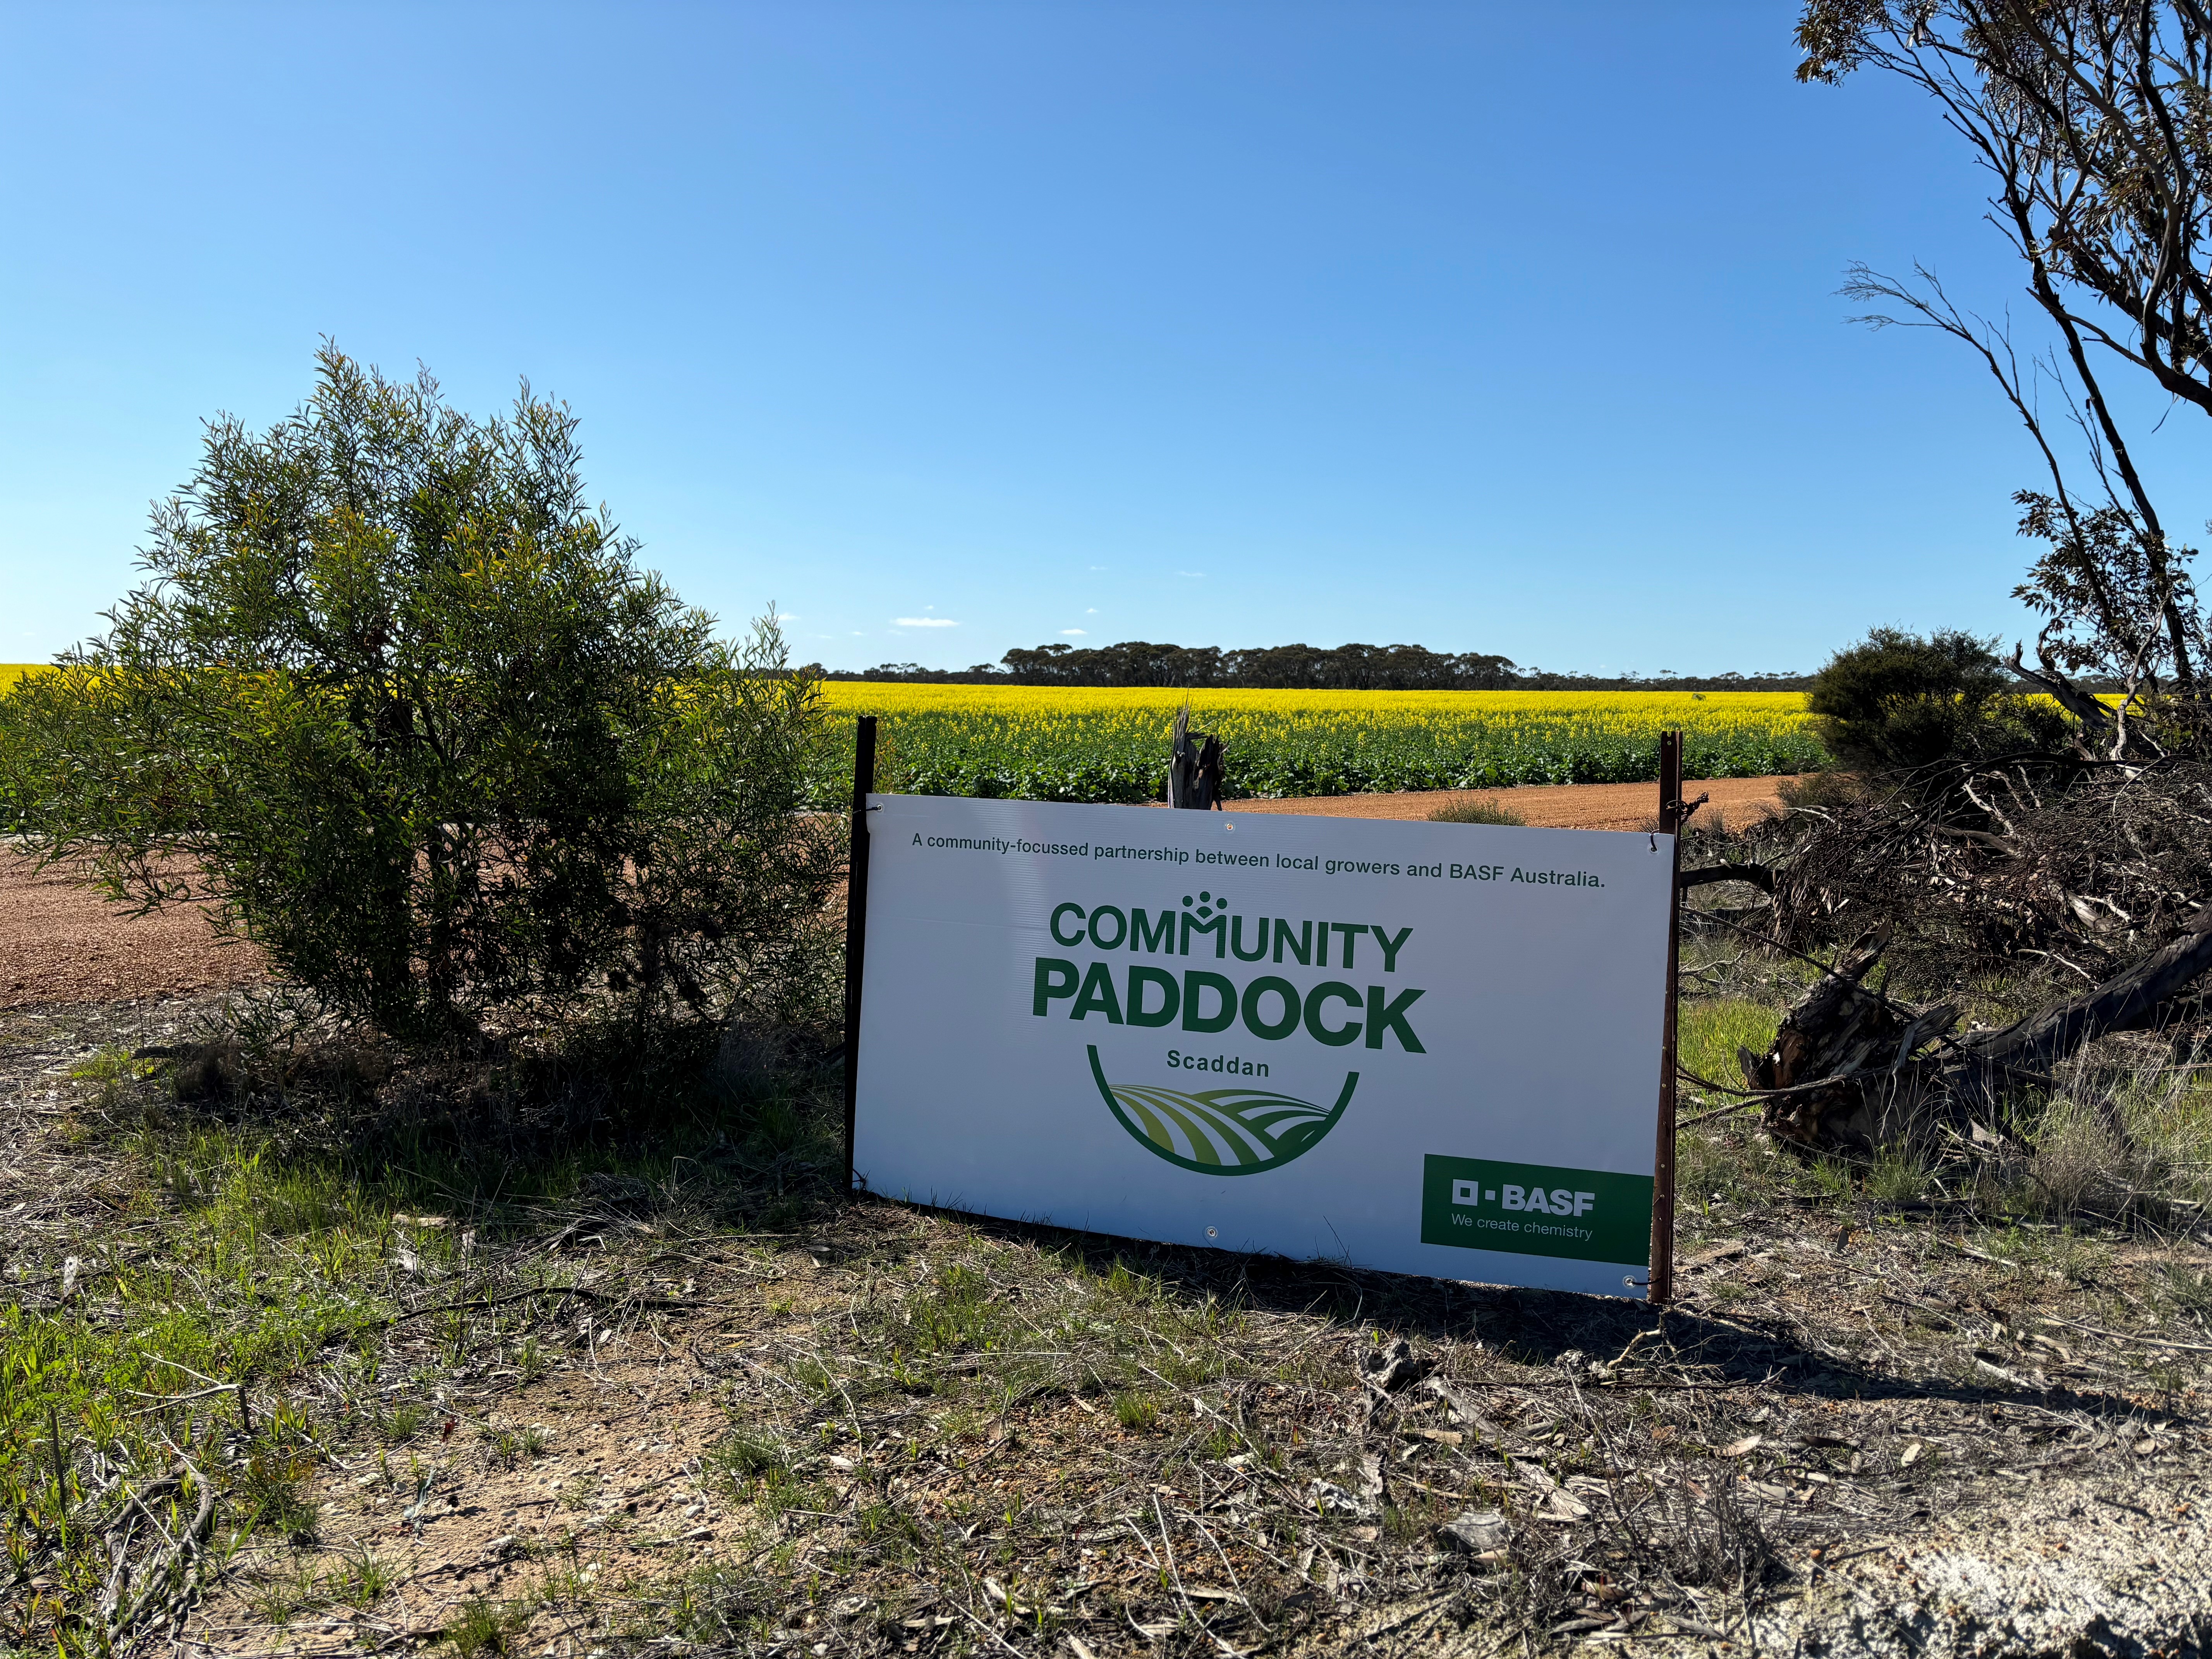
(2092,121)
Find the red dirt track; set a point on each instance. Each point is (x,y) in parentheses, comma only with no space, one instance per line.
(61,943)
(1565,806)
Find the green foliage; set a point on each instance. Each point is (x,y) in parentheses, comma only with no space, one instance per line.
(367,1579)
(1477,811)
(1138,1413)
(481,1626)
(398,701)
(958,1314)
(1899,1176)
(1084,745)
(1897,702)
(750,1456)
(1714,1028)
(274,1488)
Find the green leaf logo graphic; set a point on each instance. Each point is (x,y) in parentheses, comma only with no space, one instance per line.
(1227,1132)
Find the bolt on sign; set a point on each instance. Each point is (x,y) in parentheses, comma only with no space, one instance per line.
(1426,1047)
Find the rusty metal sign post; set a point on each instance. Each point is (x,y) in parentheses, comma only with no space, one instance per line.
(1672,815)
(856,920)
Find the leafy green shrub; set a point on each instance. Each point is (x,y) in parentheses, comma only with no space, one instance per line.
(1478,811)
(399,701)
(1897,702)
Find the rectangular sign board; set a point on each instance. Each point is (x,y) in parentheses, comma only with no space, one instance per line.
(1426,1047)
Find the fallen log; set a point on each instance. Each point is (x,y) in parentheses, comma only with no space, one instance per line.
(1853,1071)
(2123,1003)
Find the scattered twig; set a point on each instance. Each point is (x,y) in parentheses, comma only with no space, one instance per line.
(2120,1336)
(578,1291)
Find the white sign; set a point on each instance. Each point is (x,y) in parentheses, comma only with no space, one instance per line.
(1427,1048)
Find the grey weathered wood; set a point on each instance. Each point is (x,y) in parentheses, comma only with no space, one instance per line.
(2123,1002)
(1195,767)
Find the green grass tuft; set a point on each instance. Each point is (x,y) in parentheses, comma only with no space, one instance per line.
(1140,1414)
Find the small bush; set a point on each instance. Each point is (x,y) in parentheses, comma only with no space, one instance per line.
(1899,1176)
(1721,1539)
(1821,791)
(958,1314)
(274,1488)
(1897,702)
(366,1579)
(398,700)
(750,1456)
(1478,811)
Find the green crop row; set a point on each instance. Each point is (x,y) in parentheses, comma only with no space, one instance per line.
(1117,752)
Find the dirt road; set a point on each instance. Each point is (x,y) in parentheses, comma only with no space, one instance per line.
(1568,807)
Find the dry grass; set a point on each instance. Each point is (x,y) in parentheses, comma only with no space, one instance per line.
(673,1386)
(1478,811)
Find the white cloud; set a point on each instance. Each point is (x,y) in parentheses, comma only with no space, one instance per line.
(1092,611)
(1096,566)
(1195,576)
(924,622)
(1074,633)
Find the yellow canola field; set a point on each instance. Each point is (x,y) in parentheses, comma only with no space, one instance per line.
(1094,743)
(1101,744)
(876,697)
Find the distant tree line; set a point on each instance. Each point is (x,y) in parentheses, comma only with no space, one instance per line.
(1295,667)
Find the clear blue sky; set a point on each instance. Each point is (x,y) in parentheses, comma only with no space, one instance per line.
(1501,329)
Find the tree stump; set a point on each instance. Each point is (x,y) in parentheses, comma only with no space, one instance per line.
(1853,1071)
(1195,777)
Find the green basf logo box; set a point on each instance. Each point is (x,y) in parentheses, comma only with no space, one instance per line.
(1535,1209)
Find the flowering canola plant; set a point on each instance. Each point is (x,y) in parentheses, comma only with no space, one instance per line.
(1099,744)
(1092,744)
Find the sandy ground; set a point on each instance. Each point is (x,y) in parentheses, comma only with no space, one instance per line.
(61,943)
